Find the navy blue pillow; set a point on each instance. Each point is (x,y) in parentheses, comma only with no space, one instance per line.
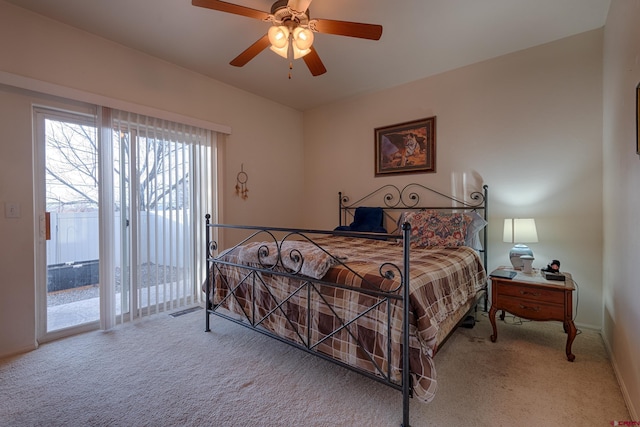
(367,219)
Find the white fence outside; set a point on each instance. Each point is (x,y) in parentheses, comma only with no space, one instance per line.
(75,238)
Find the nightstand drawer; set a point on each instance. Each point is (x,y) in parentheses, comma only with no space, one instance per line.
(531,309)
(532,293)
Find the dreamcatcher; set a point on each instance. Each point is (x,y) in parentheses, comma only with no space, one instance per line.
(241,184)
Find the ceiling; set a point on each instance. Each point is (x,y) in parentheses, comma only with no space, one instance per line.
(420,38)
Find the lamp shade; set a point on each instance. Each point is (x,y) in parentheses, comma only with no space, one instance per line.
(297,53)
(302,41)
(520,230)
(282,51)
(278,36)
(303,38)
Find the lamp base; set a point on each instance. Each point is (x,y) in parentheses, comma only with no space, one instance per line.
(527,261)
(516,252)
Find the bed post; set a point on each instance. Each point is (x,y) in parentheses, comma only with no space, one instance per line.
(406,377)
(485,240)
(207,285)
(340,208)
(486,218)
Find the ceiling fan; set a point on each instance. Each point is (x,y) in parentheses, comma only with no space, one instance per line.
(291,34)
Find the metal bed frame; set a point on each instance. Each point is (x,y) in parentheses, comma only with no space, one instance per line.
(394,199)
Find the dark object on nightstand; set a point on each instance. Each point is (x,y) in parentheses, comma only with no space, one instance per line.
(553,267)
(553,276)
(552,271)
(503,274)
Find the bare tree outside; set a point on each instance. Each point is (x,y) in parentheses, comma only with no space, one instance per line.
(162,172)
(72,170)
(72,167)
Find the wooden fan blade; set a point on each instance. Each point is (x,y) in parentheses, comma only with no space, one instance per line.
(223,6)
(299,5)
(251,51)
(350,29)
(314,63)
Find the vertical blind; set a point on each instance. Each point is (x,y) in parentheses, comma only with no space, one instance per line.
(163,181)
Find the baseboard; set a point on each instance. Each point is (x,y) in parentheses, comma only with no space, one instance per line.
(633,411)
(595,328)
(67,332)
(20,350)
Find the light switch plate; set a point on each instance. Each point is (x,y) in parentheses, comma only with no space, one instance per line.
(11,210)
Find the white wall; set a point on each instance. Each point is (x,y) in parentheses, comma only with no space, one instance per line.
(621,196)
(528,124)
(37,48)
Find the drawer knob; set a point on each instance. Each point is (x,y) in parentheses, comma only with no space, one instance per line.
(524,307)
(535,294)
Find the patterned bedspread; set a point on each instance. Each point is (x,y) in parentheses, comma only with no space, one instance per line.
(350,322)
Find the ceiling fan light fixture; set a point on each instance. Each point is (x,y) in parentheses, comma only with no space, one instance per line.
(287,17)
(279,36)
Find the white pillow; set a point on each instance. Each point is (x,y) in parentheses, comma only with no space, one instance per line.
(472,239)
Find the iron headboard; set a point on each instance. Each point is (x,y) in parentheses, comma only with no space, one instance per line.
(411,197)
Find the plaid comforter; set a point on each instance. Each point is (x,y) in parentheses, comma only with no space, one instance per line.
(350,322)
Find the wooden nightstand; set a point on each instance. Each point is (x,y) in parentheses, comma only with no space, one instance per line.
(532,297)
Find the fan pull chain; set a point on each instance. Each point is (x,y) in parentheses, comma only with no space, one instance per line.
(290,68)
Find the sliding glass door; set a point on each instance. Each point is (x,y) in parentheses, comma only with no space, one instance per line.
(69,202)
(161,194)
(121,208)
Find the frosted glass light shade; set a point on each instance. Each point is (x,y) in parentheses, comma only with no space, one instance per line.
(302,38)
(278,36)
(297,53)
(282,51)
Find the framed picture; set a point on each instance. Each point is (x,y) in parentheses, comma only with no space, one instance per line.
(406,147)
(638,119)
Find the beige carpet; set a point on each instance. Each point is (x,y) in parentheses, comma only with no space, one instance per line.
(165,371)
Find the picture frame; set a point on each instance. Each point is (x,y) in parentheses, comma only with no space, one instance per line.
(638,119)
(406,148)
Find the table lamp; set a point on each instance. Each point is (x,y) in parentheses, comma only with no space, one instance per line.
(519,231)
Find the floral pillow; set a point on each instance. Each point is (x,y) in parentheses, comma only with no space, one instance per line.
(433,228)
